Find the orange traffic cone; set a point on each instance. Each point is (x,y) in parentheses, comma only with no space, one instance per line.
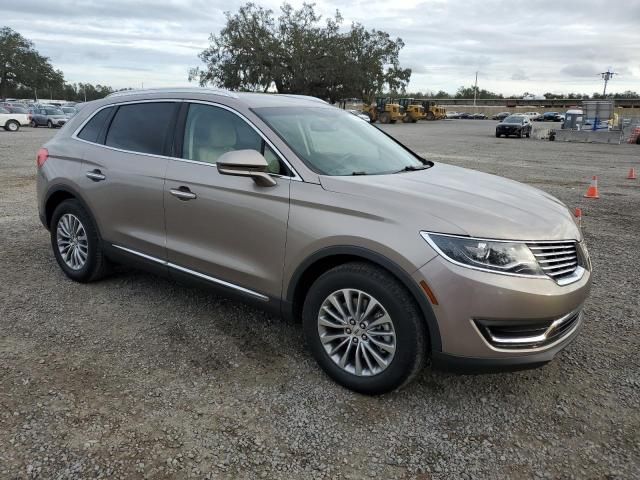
(592,191)
(578,215)
(632,174)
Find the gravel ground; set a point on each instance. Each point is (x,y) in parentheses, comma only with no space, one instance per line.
(139,377)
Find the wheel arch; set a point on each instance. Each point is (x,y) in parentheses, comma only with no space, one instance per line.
(58,194)
(330,257)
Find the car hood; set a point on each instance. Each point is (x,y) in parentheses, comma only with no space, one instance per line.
(478,204)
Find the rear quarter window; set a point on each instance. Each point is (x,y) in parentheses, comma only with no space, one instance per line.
(141,127)
(92,130)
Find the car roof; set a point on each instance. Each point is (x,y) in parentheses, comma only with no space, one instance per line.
(249,99)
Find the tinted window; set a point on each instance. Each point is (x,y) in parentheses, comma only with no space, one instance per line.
(141,127)
(2,110)
(18,110)
(212,131)
(91,131)
(53,111)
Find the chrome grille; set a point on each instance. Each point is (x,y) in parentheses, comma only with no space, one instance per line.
(557,259)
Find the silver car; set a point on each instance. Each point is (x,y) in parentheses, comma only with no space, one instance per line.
(386,257)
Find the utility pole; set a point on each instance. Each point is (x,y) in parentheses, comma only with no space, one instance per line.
(606,76)
(475,92)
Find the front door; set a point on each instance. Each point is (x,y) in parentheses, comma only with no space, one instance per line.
(223,228)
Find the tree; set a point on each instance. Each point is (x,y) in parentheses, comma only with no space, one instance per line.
(467,92)
(22,66)
(297,53)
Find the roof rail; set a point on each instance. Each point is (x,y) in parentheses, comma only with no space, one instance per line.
(137,91)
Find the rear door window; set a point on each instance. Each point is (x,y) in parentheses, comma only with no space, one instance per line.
(92,130)
(141,127)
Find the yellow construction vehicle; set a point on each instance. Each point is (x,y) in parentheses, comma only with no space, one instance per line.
(384,110)
(412,111)
(433,111)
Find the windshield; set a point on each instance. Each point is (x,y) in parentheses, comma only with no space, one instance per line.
(334,142)
(513,119)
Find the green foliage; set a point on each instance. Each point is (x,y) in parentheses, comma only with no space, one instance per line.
(299,54)
(24,73)
(22,66)
(467,92)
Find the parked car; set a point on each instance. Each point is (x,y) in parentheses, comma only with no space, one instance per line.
(68,111)
(479,116)
(359,114)
(518,125)
(452,115)
(48,117)
(550,117)
(12,121)
(466,115)
(303,209)
(500,116)
(532,115)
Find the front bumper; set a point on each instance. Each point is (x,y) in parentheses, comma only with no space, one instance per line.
(468,299)
(508,131)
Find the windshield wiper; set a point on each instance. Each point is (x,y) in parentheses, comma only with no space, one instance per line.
(359,173)
(412,168)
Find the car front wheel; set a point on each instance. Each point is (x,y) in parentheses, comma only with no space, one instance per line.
(50,124)
(364,328)
(33,124)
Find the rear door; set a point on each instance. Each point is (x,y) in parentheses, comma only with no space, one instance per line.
(123,173)
(225,229)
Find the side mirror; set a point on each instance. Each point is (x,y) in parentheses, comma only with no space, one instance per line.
(246,163)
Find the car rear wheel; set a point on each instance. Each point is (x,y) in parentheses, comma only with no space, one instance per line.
(12,126)
(76,244)
(364,328)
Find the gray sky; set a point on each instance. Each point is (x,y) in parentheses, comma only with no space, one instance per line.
(535,46)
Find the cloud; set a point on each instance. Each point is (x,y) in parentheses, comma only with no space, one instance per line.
(125,43)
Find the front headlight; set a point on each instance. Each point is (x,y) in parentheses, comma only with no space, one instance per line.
(511,258)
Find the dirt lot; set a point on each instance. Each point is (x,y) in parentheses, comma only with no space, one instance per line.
(138,377)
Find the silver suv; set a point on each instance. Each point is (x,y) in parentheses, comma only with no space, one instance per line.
(388,258)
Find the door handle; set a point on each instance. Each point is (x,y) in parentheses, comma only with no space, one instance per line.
(183,193)
(96,175)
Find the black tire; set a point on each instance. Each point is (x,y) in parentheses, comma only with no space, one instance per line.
(529,134)
(498,135)
(520,134)
(384,117)
(414,120)
(406,118)
(12,126)
(430,116)
(638,140)
(410,331)
(33,124)
(97,265)
(50,124)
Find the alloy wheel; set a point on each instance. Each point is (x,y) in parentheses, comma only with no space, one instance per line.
(356,332)
(72,241)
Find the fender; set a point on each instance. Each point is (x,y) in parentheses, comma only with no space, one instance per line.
(61,187)
(381,260)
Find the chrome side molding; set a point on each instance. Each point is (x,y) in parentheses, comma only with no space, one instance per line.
(194,273)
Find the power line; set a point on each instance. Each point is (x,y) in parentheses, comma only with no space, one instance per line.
(606,76)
